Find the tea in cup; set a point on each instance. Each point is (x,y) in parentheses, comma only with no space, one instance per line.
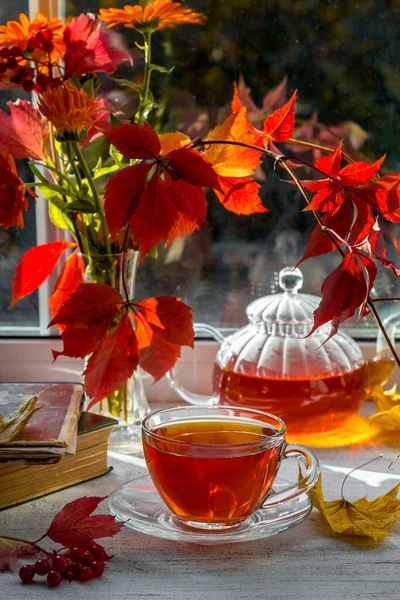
(215,466)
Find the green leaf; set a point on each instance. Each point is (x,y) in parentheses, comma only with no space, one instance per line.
(117,156)
(153,252)
(129,84)
(57,215)
(106,171)
(161,69)
(82,206)
(115,122)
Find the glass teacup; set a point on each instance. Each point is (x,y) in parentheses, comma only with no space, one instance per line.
(215,466)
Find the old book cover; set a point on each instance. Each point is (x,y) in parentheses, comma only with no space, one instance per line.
(54,425)
(22,483)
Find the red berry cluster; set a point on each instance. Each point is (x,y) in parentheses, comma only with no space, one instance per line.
(75,564)
(13,61)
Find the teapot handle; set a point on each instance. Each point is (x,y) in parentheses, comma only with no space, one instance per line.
(191,397)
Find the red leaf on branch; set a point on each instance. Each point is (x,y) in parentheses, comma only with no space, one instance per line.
(91,305)
(88,48)
(240,195)
(113,361)
(155,355)
(75,526)
(169,318)
(384,196)
(152,196)
(352,222)
(279,126)
(331,192)
(345,290)
(35,267)
(67,283)
(12,193)
(24,132)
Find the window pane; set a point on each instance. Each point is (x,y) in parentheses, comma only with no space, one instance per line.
(13,242)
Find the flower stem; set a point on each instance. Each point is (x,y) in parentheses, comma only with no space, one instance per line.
(142,111)
(86,171)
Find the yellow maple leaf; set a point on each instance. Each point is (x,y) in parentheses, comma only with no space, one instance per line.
(12,425)
(378,372)
(365,518)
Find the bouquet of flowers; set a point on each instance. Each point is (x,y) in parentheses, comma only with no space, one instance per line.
(149,189)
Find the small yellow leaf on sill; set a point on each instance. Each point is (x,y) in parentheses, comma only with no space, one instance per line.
(365,518)
(15,423)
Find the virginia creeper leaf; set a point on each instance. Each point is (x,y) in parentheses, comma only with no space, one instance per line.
(279,126)
(92,304)
(24,132)
(240,195)
(35,267)
(112,363)
(68,281)
(169,318)
(344,290)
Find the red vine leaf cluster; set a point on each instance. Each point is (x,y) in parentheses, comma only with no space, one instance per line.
(119,335)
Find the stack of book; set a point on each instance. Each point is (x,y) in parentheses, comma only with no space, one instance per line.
(60,446)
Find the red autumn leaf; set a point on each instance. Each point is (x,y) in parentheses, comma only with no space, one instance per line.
(240,195)
(272,100)
(88,48)
(352,222)
(79,342)
(181,226)
(113,362)
(12,193)
(135,141)
(378,249)
(331,192)
(75,526)
(169,318)
(152,206)
(279,126)
(345,290)
(155,355)
(91,305)
(24,132)
(384,196)
(68,281)
(35,267)
(231,160)
(123,195)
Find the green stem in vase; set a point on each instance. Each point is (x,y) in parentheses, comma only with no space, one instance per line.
(86,171)
(143,108)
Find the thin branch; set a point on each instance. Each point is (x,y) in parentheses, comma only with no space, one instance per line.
(318,147)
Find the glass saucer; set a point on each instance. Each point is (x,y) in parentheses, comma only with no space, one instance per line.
(139,505)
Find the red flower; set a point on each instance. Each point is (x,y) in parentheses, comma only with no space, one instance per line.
(12,193)
(88,48)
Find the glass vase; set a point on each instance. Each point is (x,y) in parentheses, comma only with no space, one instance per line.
(128,405)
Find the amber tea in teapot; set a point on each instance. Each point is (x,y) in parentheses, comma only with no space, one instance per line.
(314,404)
(313,382)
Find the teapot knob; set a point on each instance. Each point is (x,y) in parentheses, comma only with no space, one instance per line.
(290,279)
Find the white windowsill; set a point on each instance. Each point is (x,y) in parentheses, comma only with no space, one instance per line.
(23,359)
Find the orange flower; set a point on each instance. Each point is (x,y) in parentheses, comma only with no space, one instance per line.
(160,14)
(69,109)
(23,34)
(12,193)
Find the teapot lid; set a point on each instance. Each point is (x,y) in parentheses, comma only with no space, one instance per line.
(287,308)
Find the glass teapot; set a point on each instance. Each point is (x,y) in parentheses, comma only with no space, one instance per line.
(271,365)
